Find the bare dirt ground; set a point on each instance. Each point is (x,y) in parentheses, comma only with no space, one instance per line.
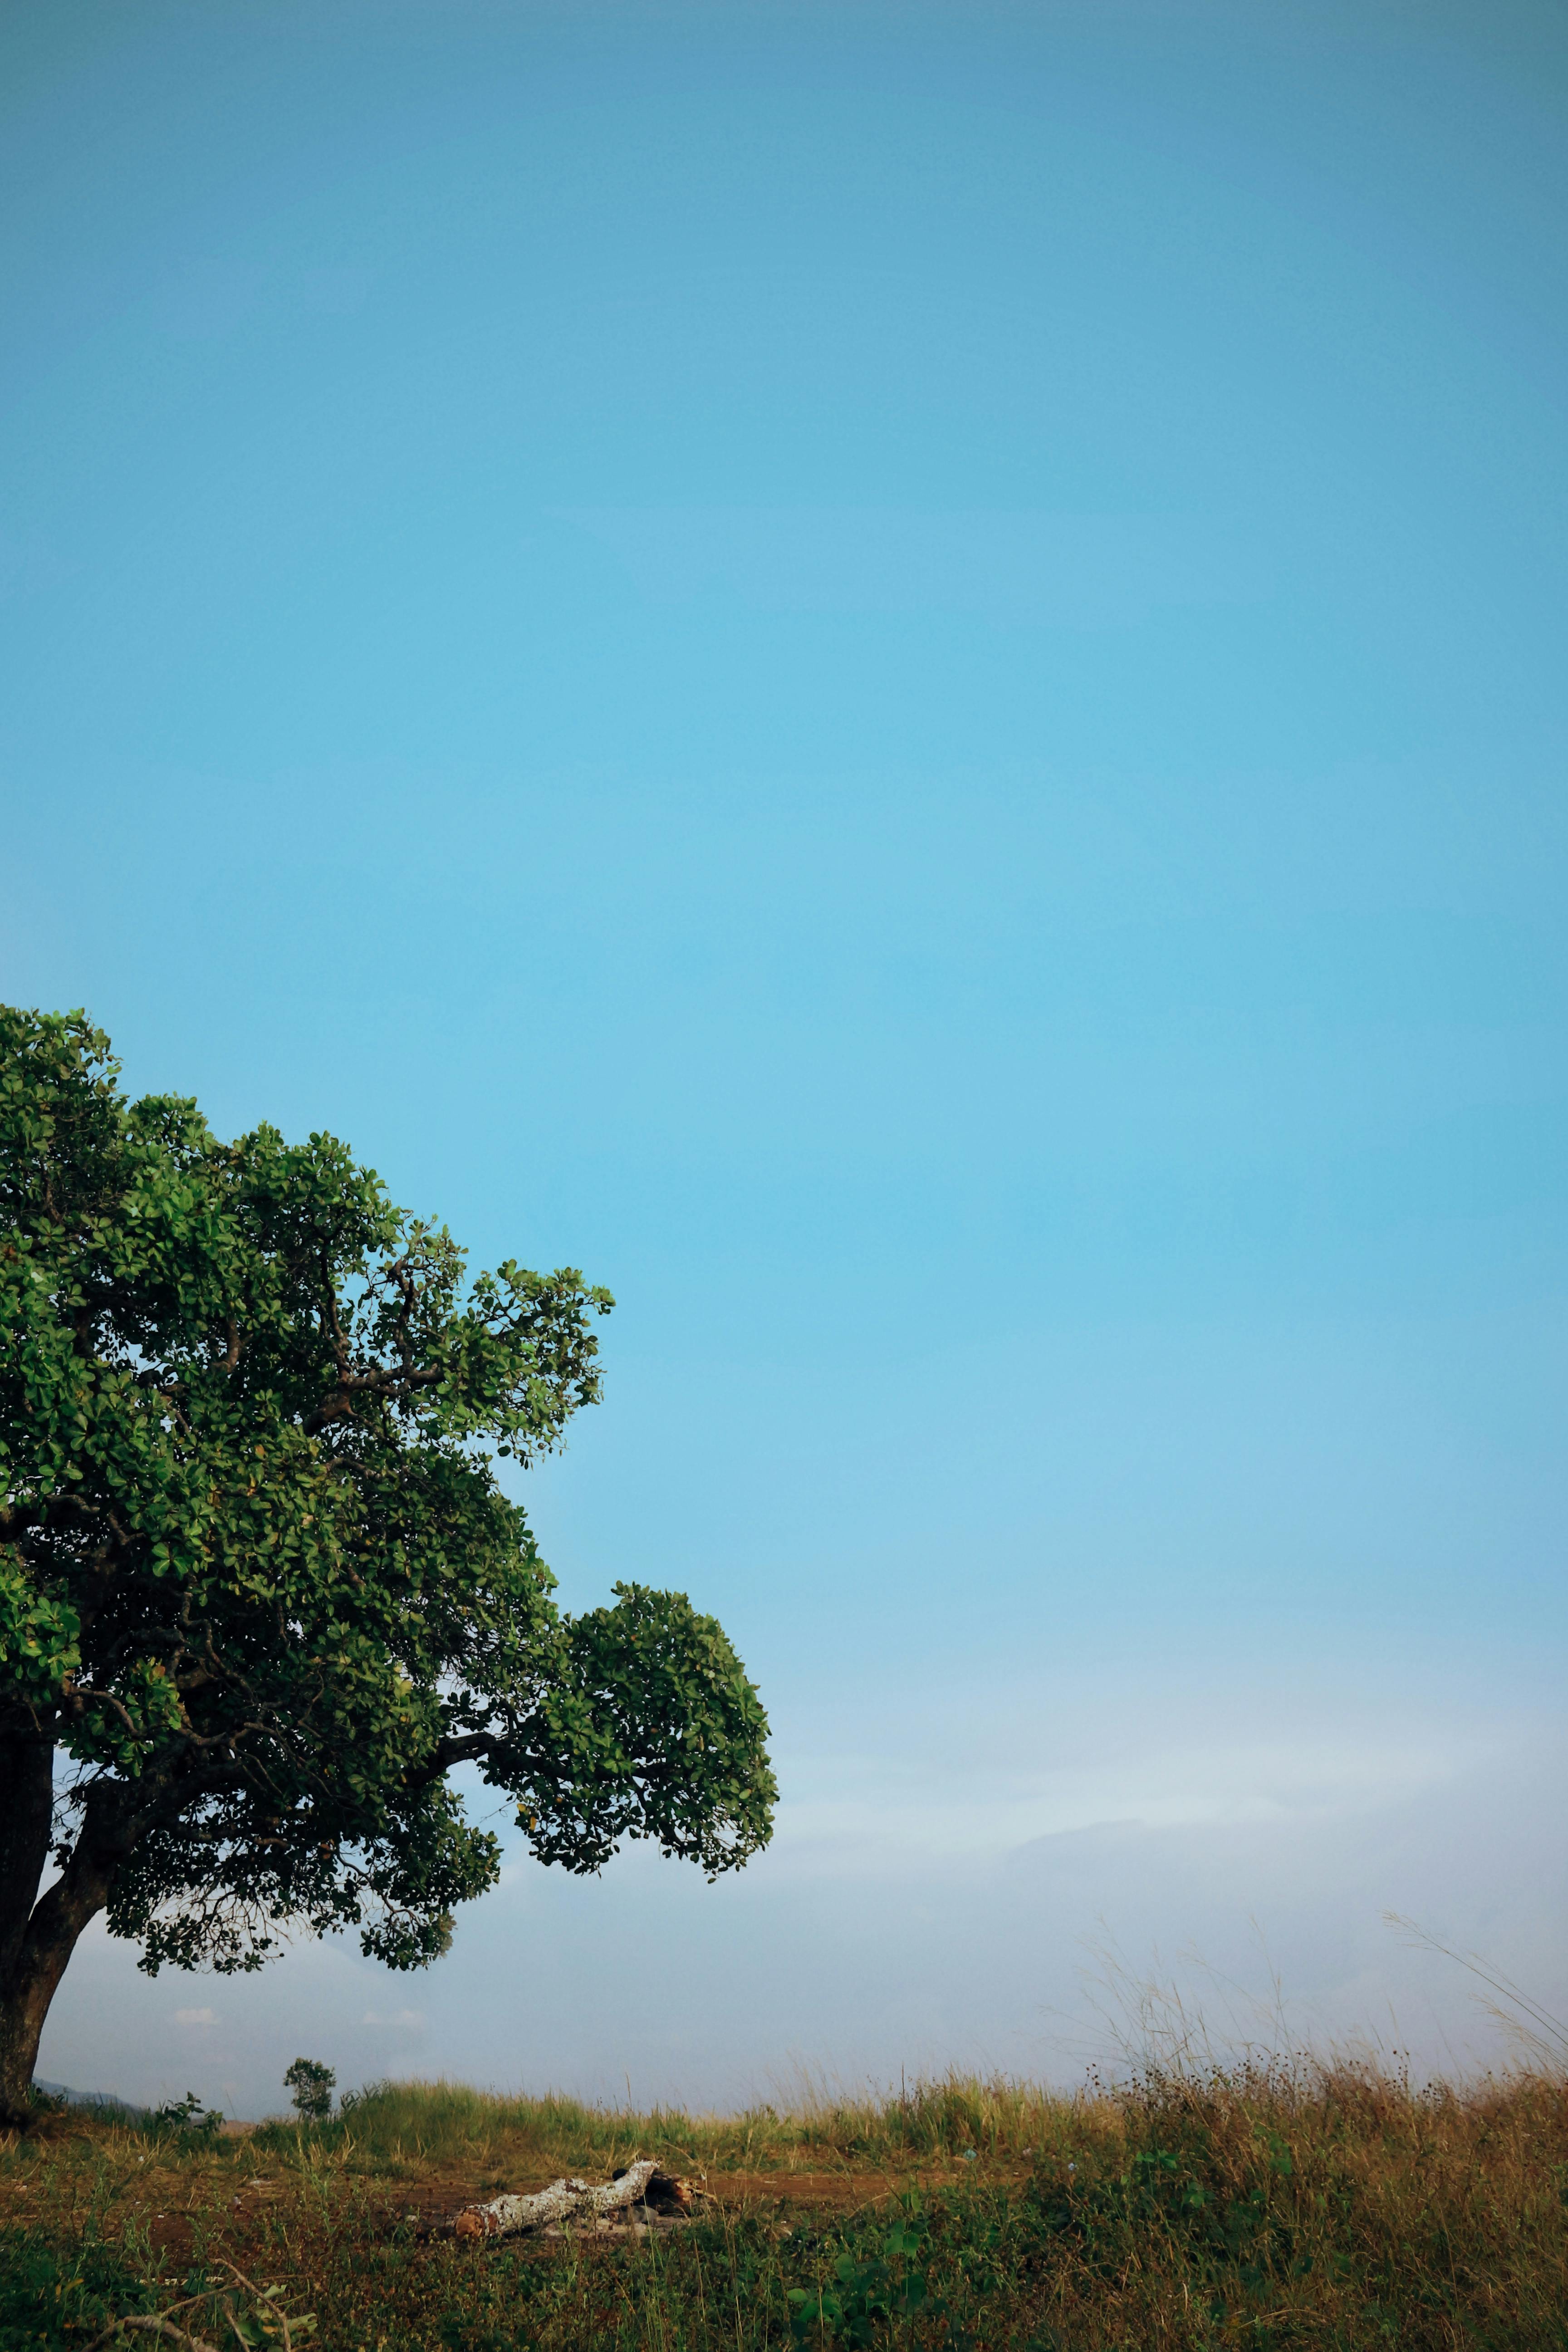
(223,2206)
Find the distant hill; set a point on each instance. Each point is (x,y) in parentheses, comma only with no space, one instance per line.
(102,2099)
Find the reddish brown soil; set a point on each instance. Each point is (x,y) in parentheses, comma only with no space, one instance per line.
(166,2203)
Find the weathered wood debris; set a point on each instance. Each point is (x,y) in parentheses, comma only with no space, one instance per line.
(638,2199)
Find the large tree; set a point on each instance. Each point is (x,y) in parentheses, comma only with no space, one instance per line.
(259,1589)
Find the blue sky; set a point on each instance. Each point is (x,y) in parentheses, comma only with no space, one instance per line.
(893,676)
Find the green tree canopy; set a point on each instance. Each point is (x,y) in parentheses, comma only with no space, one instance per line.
(259,1582)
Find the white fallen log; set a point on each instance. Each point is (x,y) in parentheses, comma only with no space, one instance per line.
(563,2200)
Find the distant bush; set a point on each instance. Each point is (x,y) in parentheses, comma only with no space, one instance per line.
(312,2085)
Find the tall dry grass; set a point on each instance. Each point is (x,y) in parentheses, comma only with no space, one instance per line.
(1269,2204)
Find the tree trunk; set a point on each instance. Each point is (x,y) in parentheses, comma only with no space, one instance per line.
(37,1938)
(27,1814)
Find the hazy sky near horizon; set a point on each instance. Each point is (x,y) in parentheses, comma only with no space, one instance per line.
(893,674)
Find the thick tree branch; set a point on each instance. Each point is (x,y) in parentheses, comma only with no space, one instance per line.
(464,1751)
(384,1381)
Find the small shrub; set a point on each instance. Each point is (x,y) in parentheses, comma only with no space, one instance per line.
(188,2114)
(869,2292)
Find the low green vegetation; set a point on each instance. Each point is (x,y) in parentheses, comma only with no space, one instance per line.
(1311,2207)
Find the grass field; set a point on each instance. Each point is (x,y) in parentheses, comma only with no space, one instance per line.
(1305,2206)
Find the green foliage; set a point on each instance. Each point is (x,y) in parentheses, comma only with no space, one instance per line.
(188,2114)
(312,2085)
(868,2289)
(256,1575)
(56,2295)
(1231,2225)
(65,2295)
(259,2318)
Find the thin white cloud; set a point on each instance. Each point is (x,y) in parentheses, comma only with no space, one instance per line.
(868,1807)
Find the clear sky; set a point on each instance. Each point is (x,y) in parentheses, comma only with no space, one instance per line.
(894,675)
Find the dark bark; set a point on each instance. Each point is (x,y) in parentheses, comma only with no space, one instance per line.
(26,1811)
(37,1937)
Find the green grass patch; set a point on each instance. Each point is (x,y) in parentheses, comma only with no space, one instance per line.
(59,2295)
